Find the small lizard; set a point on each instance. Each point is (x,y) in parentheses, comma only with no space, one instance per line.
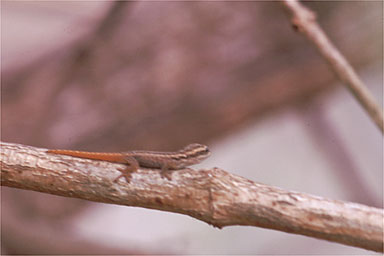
(189,155)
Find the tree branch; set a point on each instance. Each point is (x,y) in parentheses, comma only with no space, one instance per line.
(305,21)
(213,196)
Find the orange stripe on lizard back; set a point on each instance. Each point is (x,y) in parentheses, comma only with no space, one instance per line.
(110,157)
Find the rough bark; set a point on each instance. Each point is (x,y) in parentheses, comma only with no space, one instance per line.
(212,195)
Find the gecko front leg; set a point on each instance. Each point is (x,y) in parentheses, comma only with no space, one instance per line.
(166,172)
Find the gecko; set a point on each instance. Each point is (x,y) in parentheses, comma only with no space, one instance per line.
(165,161)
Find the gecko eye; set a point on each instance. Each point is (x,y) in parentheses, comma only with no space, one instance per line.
(204,150)
(207,151)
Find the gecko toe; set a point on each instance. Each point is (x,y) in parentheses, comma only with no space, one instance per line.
(166,174)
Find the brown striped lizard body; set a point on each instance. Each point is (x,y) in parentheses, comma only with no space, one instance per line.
(189,155)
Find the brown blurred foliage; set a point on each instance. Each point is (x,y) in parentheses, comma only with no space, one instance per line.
(159,75)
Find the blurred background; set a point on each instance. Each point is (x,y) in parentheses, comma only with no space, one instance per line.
(116,76)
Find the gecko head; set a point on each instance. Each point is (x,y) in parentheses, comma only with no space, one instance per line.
(198,151)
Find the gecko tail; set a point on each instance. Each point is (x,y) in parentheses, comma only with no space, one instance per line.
(110,157)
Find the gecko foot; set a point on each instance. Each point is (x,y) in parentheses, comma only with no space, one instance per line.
(125,174)
(166,174)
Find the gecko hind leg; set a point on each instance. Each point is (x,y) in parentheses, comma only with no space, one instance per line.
(132,166)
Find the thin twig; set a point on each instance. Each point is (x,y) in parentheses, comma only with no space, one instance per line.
(213,196)
(305,21)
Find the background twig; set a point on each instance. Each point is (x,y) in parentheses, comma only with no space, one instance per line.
(305,21)
(214,196)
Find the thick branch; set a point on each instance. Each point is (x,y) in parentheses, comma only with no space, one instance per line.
(305,21)
(214,196)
